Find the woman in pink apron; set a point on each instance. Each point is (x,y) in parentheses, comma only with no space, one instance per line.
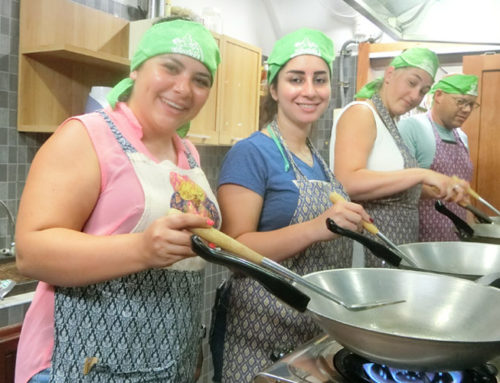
(119,297)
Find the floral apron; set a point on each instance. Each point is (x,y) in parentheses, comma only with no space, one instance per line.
(259,327)
(143,327)
(451,158)
(396,216)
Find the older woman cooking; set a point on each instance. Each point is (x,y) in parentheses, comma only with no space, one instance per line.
(371,160)
(120,292)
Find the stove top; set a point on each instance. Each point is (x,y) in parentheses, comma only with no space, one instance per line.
(314,363)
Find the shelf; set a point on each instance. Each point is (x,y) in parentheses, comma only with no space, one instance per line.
(80,55)
(64,50)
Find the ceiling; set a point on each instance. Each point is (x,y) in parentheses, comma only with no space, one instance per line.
(457,21)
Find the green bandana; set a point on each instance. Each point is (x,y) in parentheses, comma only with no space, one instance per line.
(303,41)
(457,84)
(178,36)
(417,57)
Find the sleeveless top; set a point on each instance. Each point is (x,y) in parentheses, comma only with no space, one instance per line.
(128,325)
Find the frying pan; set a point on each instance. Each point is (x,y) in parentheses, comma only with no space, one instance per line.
(470,260)
(480,232)
(446,323)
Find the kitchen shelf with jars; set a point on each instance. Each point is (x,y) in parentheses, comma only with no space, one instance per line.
(66,48)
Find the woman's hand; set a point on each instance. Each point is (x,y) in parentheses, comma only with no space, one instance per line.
(168,239)
(348,215)
(449,189)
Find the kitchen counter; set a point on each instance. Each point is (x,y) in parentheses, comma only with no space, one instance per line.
(8,270)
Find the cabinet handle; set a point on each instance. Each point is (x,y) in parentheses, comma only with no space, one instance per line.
(200,136)
(236,139)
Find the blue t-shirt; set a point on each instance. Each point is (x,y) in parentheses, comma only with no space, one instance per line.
(257,164)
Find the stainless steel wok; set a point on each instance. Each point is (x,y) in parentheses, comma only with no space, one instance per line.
(480,232)
(470,260)
(445,323)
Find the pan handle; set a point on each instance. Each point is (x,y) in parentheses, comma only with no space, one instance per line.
(492,279)
(464,230)
(376,248)
(273,283)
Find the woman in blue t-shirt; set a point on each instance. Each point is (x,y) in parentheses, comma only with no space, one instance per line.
(274,196)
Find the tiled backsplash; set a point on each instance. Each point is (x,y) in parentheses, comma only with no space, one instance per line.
(17,149)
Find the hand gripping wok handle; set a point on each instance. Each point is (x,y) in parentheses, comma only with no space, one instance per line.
(225,241)
(370,227)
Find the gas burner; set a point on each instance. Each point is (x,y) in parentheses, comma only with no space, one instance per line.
(357,369)
(317,361)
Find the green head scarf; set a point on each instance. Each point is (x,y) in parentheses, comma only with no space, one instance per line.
(417,57)
(303,41)
(457,84)
(178,36)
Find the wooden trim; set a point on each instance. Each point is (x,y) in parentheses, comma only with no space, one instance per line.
(9,338)
(363,65)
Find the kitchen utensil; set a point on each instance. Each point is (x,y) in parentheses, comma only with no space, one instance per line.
(446,323)
(228,243)
(379,250)
(470,260)
(482,217)
(481,232)
(371,228)
(479,198)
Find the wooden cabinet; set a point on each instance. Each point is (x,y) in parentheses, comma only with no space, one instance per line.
(9,338)
(232,110)
(483,127)
(66,48)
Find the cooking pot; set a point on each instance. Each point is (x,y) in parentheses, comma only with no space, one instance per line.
(470,260)
(480,232)
(445,323)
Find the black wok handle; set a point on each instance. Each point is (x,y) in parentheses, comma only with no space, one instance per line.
(273,283)
(464,230)
(376,248)
(492,280)
(481,217)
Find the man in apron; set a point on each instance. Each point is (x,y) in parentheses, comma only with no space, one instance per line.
(438,143)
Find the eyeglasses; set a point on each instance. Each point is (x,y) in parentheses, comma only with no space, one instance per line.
(462,103)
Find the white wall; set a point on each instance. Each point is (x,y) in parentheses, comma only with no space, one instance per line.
(244,20)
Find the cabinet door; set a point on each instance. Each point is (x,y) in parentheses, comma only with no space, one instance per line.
(204,128)
(9,337)
(238,106)
(483,127)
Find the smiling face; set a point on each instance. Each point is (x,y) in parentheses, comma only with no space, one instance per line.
(404,89)
(303,90)
(169,90)
(451,110)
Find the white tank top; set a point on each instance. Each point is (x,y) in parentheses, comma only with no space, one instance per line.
(385,154)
